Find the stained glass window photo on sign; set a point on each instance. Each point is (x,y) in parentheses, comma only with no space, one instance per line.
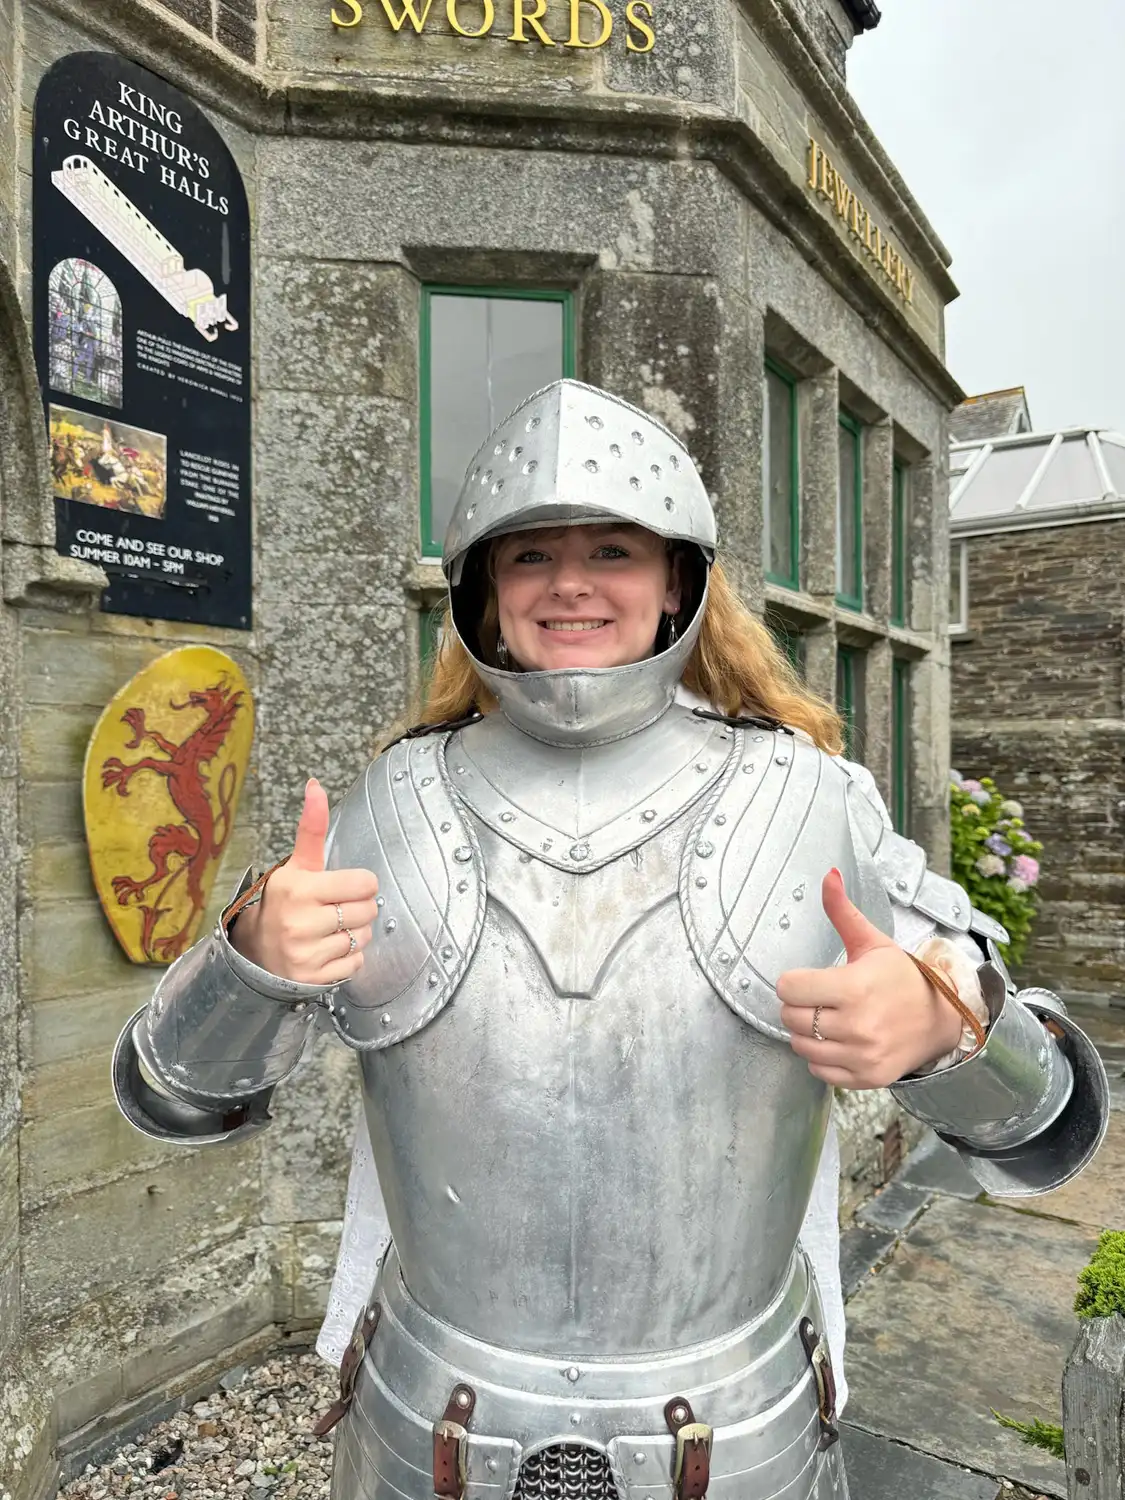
(84,312)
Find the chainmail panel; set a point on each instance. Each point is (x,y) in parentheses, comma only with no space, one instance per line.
(566,1471)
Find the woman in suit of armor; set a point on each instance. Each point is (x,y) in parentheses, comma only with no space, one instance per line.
(605,931)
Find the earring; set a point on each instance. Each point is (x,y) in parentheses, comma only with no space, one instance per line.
(502,653)
(672,631)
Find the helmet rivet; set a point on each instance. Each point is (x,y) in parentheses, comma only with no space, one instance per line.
(573,1373)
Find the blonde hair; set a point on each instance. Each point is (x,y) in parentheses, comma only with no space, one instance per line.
(736,666)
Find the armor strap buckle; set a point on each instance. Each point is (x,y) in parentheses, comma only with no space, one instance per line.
(816,1348)
(451,1447)
(692,1472)
(362,1334)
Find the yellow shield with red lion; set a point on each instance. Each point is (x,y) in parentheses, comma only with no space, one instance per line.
(164,769)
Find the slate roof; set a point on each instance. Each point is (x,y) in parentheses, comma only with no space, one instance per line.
(991,415)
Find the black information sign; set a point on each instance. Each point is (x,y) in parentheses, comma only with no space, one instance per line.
(142,338)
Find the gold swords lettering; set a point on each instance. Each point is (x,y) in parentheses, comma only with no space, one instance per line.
(582,24)
(826,180)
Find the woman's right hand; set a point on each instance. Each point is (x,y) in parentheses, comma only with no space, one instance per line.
(296,930)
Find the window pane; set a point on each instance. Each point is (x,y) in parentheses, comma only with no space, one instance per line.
(848,580)
(900,549)
(957,604)
(778,474)
(901,711)
(486,354)
(850,700)
(789,640)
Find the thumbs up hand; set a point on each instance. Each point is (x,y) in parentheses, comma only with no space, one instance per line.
(311,924)
(872,1020)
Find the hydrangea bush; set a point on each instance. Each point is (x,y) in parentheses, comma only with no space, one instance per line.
(994,857)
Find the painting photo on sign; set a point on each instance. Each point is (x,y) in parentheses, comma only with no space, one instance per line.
(101,462)
(84,336)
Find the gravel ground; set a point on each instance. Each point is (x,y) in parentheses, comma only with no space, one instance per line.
(252,1438)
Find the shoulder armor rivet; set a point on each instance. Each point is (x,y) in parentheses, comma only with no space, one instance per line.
(433,980)
(384,1019)
(447,953)
(743,984)
(427,780)
(704,849)
(957,909)
(463,1398)
(649,814)
(462,886)
(720,820)
(380,902)
(580,851)
(576,1419)
(390,925)
(783,920)
(573,1373)
(525,858)
(638,1458)
(679,1414)
(445,827)
(701,882)
(758,738)
(462,854)
(724,958)
(900,885)
(700,766)
(491,1465)
(748,767)
(507,817)
(782,760)
(461,770)
(399,776)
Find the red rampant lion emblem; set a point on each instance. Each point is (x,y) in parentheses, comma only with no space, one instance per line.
(203,834)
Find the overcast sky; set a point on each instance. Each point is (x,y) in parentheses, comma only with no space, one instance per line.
(1006,119)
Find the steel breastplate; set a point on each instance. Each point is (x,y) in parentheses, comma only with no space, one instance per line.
(583,1147)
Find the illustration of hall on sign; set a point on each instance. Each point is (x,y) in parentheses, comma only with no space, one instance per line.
(191,293)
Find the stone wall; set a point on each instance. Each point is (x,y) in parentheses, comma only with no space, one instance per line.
(1039,703)
(231,23)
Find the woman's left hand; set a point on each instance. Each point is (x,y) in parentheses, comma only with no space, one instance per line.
(878,1017)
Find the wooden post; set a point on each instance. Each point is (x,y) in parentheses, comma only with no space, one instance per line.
(1094,1411)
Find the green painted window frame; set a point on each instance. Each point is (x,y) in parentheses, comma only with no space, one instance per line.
(430,548)
(855,427)
(846,697)
(901,671)
(793,581)
(900,544)
(790,641)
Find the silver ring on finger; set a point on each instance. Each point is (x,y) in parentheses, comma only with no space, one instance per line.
(352,944)
(816,1031)
(339,917)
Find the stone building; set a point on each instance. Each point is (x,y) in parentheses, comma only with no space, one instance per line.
(683,204)
(1037,623)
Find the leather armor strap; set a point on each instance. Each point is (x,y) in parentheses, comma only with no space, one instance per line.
(945,988)
(362,1334)
(450,1446)
(816,1347)
(251,894)
(692,1472)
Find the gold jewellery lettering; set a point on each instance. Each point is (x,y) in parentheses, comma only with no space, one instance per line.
(526,15)
(825,179)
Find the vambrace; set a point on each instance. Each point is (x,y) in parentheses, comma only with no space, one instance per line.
(198,1063)
(1029,1109)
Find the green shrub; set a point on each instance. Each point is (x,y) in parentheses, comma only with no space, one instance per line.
(1101,1286)
(1036,1434)
(994,857)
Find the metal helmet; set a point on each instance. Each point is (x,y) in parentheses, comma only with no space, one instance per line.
(571,455)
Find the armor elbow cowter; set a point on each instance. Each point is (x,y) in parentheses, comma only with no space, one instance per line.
(1029,1109)
(200,1061)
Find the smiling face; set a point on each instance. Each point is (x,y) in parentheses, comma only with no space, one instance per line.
(583,596)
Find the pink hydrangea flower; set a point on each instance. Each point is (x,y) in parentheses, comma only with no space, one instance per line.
(1025,869)
(969,785)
